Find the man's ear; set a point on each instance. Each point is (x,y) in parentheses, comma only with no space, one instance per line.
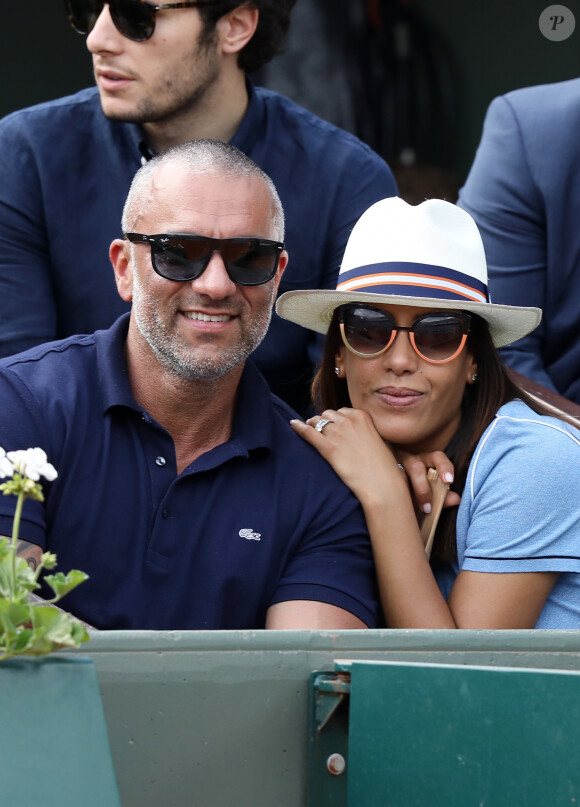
(282,263)
(237,27)
(120,257)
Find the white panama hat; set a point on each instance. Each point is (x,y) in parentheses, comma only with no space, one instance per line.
(429,255)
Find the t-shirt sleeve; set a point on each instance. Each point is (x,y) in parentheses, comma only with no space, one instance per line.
(21,428)
(333,562)
(520,510)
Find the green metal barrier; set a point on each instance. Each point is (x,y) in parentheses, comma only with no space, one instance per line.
(54,750)
(220,719)
(410,735)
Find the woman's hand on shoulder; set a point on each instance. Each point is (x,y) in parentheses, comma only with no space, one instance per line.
(349,441)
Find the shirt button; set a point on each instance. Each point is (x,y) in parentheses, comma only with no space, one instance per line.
(165,513)
(160,461)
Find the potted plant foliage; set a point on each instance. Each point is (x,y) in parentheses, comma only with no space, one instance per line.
(54,745)
(27,627)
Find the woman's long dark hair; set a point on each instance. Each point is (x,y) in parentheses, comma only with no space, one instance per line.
(481,401)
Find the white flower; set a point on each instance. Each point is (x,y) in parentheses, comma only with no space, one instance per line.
(32,463)
(6,467)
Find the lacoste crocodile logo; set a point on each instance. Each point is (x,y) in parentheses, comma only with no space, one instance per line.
(250,535)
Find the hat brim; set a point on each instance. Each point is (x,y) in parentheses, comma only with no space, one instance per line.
(313,309)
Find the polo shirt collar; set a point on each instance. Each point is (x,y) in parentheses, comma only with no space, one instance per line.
(253,424)
(113,376)
(254,416)
(143,151)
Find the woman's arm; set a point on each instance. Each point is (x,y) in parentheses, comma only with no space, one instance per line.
(501,601)
(409,592)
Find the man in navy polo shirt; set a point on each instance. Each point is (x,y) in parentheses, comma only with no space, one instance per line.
(182,490)
(164,78)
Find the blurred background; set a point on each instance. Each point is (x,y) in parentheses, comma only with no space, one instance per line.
(412,78)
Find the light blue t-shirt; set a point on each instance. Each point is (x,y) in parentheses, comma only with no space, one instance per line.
(520,508)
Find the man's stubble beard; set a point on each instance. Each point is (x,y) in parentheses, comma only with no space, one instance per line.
(190,363)
(183,91)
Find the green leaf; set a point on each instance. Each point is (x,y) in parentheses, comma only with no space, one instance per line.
(79,633)
(54,629)
(5,577)
(22,641)
(27,628)
(35,630)
(24,582)
(61,584)
(16,614)
(16,628)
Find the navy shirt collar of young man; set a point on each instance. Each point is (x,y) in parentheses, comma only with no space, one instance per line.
(253,530)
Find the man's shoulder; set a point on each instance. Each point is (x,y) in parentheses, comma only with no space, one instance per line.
(296,454)
(43,360)
(71,130)
(82,368)
(83,104)
(55,127)
(556,90)
(542,101)
(301,124)
(103,347)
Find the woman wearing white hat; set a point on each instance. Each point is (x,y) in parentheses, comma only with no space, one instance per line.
(410,365)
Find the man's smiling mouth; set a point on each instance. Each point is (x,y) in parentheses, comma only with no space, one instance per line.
(207,317)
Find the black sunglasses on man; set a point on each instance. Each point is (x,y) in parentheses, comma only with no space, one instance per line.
(182,257)
(135,19)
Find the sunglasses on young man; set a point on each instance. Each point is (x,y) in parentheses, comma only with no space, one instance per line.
(135,19)
(183,257)
(437,337)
